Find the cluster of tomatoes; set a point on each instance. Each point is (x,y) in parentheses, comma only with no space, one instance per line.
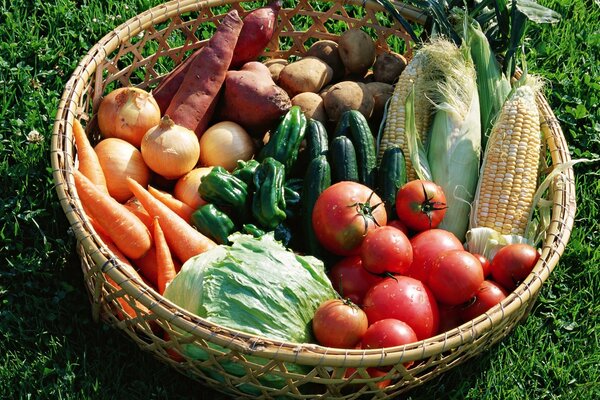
(406,280)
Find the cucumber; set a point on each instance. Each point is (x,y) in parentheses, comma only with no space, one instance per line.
(364,144)
(317,139)
(316,180)
(342,157)
(342,128)
(284,143)
(391,177)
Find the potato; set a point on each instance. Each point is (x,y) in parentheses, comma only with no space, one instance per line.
(381,93)
(328,51)
(309,74)
(311,104)
(348,95)
(388,67)
(275,66)
(357,51)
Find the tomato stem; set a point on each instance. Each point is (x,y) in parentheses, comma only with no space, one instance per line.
(428,206)
(365,210)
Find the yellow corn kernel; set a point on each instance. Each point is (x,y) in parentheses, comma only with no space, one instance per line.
(509,174)
(394,133)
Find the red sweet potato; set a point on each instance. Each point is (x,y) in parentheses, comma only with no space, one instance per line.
(194,103)
(166,89)
(258,29)
(252,99)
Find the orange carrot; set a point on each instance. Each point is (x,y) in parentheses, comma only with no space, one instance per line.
(182,209)
(164,260)
(127,232)
(89,165)
(136,208)
(183,239)
(148,267)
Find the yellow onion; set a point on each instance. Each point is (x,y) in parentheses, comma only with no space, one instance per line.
(127,113)
(186,187)
(225,143)
(169,149)
(120,159)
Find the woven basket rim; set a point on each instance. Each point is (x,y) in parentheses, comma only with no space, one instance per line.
(305,353)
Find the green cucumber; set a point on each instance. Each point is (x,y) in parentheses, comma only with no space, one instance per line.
(316,180)
(342,128)
(284,143)
(342,156)
(364,144)
(391,177)
(317,139)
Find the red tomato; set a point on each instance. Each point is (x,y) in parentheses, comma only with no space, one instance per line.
(351,279)
(421,205)
(339,323)
(344,213)
(404,298)
(386,249)
(396,223)
(388,333)
(512,263)
(450,317)
(455,276)
(487,296)
(485,264)
(427,246)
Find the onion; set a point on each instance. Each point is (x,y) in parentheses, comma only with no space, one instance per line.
(225,143)
(169,149)
(186,187)
(120,159)
(127,113)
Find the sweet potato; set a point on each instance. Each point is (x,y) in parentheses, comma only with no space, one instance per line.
(194,103)
(258,29)
(252,99)
(166,89)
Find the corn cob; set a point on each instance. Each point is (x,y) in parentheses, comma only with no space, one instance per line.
(509,174)
(394,132)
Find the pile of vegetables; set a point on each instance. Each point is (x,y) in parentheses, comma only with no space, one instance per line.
(375,200)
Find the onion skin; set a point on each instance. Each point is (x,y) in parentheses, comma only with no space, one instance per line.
(186,187)
(169,149)
(224,143)
(127,113)
(120,159)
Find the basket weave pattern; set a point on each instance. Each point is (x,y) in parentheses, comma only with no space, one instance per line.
(140,52)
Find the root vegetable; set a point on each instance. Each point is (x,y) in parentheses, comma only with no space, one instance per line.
(225,143)
(348,95)
(311,105)
(328,51)
(357,51)
(252,99)
(194,103)
(388,67)
(309,74)
(275,66)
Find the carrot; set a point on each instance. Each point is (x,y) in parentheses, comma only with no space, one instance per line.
(136,208)
(183,239)
(127,232)
(194,103)
(182,209)
(89,164)
(147,267)
(164,260)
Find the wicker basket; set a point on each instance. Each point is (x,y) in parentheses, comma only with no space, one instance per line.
(140,52)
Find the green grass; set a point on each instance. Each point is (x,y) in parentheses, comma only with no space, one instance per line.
(49,345)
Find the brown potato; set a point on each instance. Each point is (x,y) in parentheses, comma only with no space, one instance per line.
(348,95)
(357,51)
(309,74)
(388,67)
(275,66)
(381,93)
(312,105)
(328,51)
